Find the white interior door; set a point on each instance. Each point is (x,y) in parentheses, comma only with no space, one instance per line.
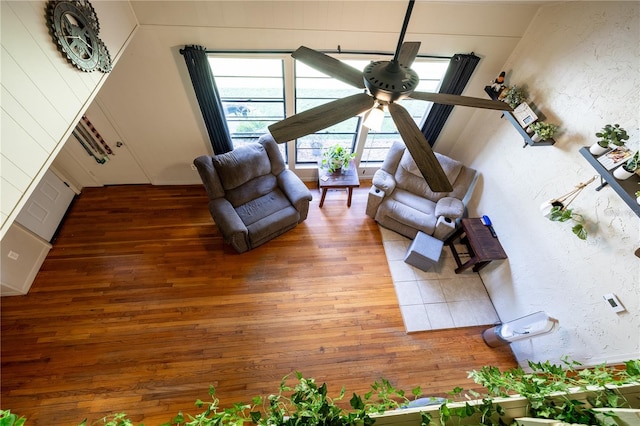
(46,206)
(120,167)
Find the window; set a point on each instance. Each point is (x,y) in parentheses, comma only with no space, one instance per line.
(313,88)
(258,90)
(252,94)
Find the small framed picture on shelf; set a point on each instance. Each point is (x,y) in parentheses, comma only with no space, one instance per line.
(524,114)
(615,157)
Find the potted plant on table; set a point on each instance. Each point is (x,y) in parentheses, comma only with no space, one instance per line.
(629,168)
(336,158)
(542,130)
(611,134)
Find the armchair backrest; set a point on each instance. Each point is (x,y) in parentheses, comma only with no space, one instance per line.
(225,175)
(408,176)
(239,166)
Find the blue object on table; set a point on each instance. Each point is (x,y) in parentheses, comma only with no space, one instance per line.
(487,222)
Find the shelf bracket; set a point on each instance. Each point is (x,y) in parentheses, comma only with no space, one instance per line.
(603,183)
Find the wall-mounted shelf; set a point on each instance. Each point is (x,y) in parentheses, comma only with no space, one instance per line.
(509,116)
(624,188)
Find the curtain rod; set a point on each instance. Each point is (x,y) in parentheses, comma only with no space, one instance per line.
(336,51)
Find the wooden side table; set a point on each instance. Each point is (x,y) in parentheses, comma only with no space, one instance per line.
(338,180)
(483,247)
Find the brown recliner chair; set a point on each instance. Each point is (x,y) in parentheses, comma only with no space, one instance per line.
(253,197)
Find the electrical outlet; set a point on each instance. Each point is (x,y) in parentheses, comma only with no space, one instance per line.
(13,255)
(193,167)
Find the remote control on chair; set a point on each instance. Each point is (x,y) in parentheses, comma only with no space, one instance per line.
(487,222)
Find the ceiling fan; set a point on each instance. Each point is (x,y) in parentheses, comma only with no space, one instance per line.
(385,83)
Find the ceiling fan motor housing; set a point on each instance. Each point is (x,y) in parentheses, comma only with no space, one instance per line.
(388,81)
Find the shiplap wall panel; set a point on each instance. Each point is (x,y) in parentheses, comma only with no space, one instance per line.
(43,95)
(36,65)
(17,84)
(71,82)
(20,148)
(21,115)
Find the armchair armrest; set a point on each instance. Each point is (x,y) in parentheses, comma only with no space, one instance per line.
(449,207)
(230,225)
(209,176)
(296,191)
(376,195)
(384,181)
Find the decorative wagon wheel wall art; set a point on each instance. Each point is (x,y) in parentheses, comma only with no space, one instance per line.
(74,27)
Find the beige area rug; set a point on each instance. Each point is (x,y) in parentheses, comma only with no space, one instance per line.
(437,298)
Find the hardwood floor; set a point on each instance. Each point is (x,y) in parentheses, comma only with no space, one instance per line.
(139,307)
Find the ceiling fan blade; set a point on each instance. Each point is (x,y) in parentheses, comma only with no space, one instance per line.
(420,150)
(408,53)
(330,66)
(447,99)
(320,117)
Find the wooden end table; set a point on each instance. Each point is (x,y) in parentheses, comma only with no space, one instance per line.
(338,180)
(483,247)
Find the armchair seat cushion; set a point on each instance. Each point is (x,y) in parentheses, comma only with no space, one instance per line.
(270,226)
(259,208)
(409,210)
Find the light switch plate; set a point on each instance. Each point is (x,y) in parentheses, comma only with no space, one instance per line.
(613,303)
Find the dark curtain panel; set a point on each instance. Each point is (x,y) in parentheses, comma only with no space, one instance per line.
(208,98)
(455,79)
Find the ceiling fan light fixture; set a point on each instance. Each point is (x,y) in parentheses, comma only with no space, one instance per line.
(389,81)
(374,118)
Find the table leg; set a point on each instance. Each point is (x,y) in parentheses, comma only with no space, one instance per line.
(467,264)
(324,194)
(349,197)
(480,265)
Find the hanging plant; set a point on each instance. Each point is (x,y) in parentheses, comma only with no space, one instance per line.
(563,214)
(557,210)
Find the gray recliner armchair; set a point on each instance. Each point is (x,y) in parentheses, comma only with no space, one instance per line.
(253,197)
(401,200)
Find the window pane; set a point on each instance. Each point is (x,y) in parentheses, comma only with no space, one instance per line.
(314,88)
(252,94)
(309,148)
(246,67)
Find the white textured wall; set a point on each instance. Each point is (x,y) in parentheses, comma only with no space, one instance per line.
(581,63)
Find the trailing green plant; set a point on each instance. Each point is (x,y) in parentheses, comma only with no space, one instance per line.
(304,404)
(514,96)
(563,214)
(7,418)
(118,419)
(546,387)
(543,129)
(612,134)
(336,157)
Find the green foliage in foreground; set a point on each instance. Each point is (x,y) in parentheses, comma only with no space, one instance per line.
(545,387)
(304,404)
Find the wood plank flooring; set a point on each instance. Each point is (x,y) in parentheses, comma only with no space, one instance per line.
(139,307)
